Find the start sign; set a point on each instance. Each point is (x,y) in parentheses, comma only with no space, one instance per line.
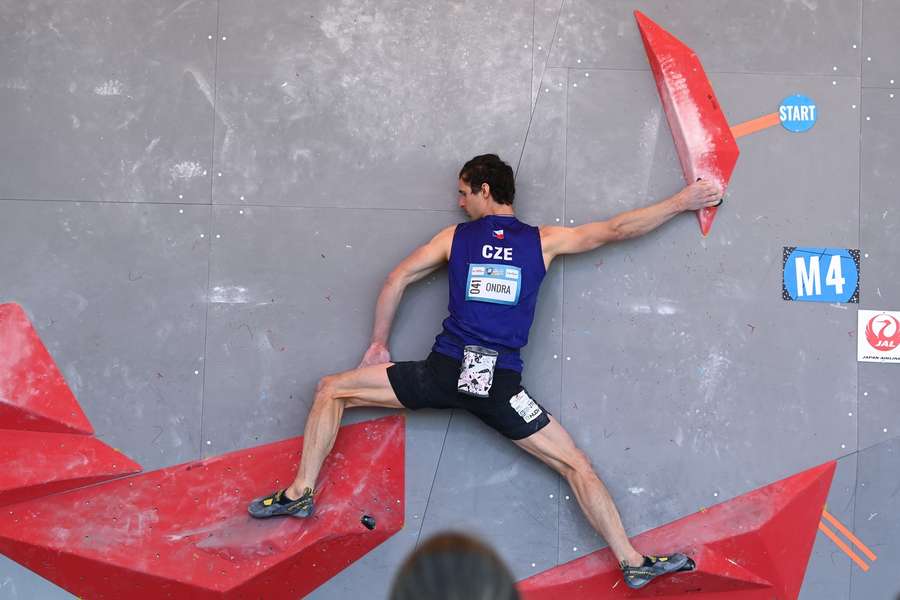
(820,274)
(797,113)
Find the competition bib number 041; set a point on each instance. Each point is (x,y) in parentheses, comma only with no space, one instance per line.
(499,284)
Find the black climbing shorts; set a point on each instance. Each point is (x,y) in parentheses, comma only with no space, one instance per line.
(431,383)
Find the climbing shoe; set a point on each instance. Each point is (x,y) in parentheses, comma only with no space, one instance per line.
(653,567)
(278,504)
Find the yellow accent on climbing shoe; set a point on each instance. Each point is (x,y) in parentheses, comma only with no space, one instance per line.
(267,502)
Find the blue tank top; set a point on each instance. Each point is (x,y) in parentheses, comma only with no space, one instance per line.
(496,269)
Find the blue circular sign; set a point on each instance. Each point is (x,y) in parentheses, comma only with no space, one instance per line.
(797,113)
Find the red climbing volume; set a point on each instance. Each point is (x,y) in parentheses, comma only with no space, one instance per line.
(704,142)
(754,547)
(184,531)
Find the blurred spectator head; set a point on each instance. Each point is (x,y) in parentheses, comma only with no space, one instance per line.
(454,566)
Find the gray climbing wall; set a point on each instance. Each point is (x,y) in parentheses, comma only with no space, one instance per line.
(199,201)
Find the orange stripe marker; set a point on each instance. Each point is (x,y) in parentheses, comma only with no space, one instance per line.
(754,125)
(840,544)
(849,535)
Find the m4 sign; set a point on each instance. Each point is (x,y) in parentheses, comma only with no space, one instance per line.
(820,274)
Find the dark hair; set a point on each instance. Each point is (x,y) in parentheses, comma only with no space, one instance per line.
(489,169)
(454,566)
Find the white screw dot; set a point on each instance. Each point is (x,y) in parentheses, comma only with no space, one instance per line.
(574,85)
(853,106)
(849,414)
(571,220)
(834,83)
(210,36)
(181,211)
(834,68)
(869,58)
(891,95)
(866,255)
(242,197)
(579,61)
(241,211)
(567,497)
(533,565)
(892,82)
(525,46)
(220,173)
(551,496)
(587,74)
(885,429)
(196,372)
(865,393)
(716,494)
(557,219)
(546,90)
(205,171)
(208,442)
(218,236)
(843,445)
(854,45)
(224,37)
(568,358)
(555,356)
(868,118)
(540,47)
(574,548)
(203,235)
(180,196)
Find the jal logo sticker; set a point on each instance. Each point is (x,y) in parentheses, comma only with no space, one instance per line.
(797,113)
(878,337)
(820,274)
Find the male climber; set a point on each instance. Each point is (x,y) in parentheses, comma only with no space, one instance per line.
(496,265)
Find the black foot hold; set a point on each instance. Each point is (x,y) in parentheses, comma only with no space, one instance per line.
(368,521)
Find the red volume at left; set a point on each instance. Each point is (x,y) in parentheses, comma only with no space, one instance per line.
(46,442)
(33,393)
(184,531)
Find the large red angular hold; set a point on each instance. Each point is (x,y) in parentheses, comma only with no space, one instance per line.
(754,547)
(38,464)
(184,531)
(33,393)
(706,147)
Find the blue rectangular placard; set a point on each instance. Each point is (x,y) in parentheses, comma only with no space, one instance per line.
(820,274)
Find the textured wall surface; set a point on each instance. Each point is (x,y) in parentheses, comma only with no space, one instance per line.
(199,201)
